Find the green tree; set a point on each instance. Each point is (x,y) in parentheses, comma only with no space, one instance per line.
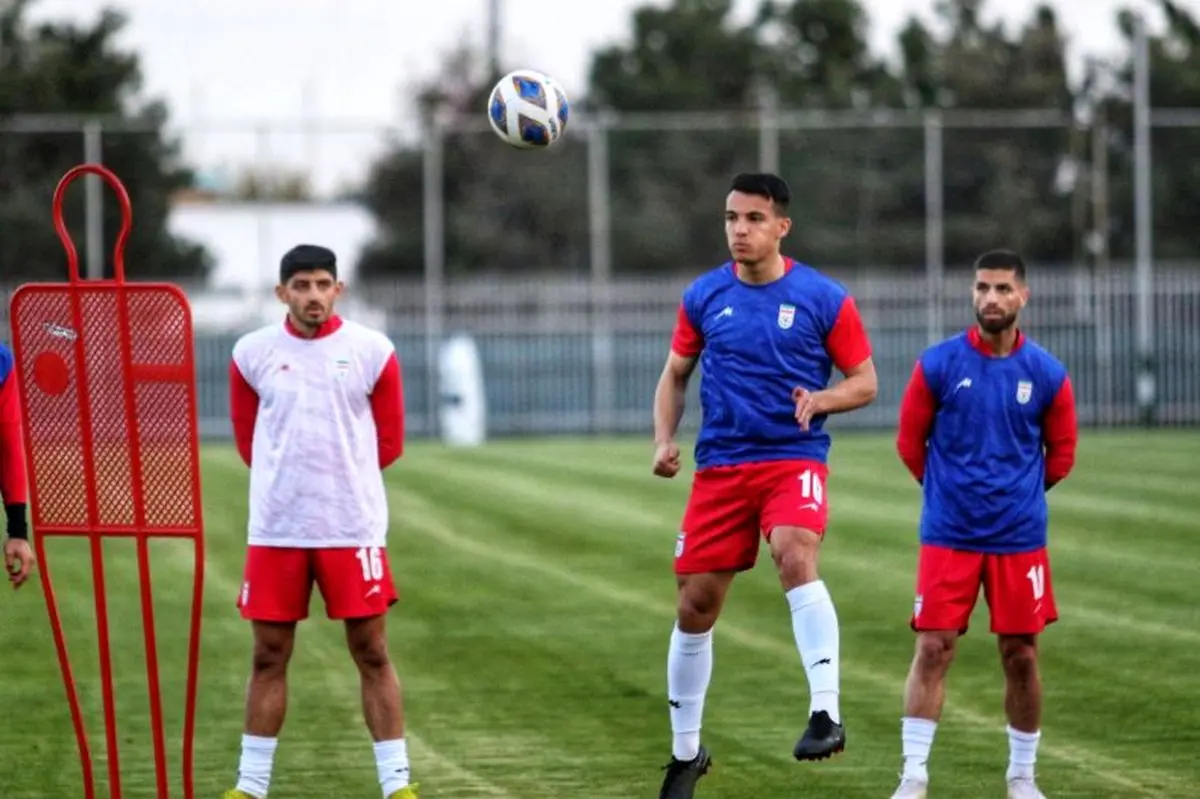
(1001,186)
(63,68)
(858,188)
(1174,58)
(667,186)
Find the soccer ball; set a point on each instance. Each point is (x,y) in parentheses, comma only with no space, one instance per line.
(528,109)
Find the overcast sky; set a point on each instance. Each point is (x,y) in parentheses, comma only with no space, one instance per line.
(350,61)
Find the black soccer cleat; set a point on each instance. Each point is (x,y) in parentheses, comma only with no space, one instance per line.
(682,776)
(823,739)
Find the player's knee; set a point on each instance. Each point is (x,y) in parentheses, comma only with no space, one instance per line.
(795,553)
(370,654)
(935,652)
(698,608)
(270,657)
(1019,656)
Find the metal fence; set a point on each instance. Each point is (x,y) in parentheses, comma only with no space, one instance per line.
(551,367)
(580,351)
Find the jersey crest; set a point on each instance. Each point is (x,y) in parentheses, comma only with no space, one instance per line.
(1024,392)
(787,316)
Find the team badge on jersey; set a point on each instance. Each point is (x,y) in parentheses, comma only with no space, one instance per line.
(1024,392)
(787,316)
(341,368)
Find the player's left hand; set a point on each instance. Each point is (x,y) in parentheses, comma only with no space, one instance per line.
(808,405)
(19,560)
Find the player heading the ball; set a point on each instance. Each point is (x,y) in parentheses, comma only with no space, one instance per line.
(987,427)
(318,412)
(767,332)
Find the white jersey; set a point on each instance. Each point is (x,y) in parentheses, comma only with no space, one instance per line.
(315,479)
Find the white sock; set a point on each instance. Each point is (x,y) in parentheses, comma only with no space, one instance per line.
(689,669)
(1022,753)
(815,625)
(391,762)
(254,769)
(916,736)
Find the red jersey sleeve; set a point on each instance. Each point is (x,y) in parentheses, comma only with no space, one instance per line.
(14,487)
(243,411)
(847,343)
(917,409)
(686,341)
(1060,429)
(387,407)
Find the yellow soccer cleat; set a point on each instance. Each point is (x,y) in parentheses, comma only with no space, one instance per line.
(407,792)
(236,794)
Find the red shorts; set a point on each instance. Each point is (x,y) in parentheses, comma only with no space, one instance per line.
(1017,588)
(355,582)
(732,507)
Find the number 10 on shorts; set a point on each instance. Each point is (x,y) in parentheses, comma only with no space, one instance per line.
(371,560)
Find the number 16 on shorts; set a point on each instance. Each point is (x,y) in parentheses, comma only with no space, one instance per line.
(812,490)
(371,560)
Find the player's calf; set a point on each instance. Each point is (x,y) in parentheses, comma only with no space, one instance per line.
(381,703)
(815,626)
(1023,706)
(689,658)
(925,687)
(924,693)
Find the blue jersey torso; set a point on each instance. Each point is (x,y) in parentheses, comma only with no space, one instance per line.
(761,342)
(984,485)
(6,363)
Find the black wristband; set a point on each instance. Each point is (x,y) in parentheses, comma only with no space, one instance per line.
(17,526)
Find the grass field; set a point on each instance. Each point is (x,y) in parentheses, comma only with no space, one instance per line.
(531,637)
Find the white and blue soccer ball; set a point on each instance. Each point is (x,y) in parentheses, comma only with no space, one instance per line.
(528,109)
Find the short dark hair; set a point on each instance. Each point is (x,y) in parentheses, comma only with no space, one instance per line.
(763,184)
(1002,259)
(306,258)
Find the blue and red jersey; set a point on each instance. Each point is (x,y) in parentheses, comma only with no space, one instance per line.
(756,343)
(986,436)
(13,487)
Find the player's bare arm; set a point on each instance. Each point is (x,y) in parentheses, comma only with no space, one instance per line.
(668,412)
(858,389)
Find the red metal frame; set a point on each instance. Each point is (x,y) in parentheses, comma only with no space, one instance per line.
(95,529)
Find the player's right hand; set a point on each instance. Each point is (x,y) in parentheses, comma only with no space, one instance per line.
(19,560)
(666,459)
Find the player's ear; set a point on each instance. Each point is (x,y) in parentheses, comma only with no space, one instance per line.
(281,293)
(785,226)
